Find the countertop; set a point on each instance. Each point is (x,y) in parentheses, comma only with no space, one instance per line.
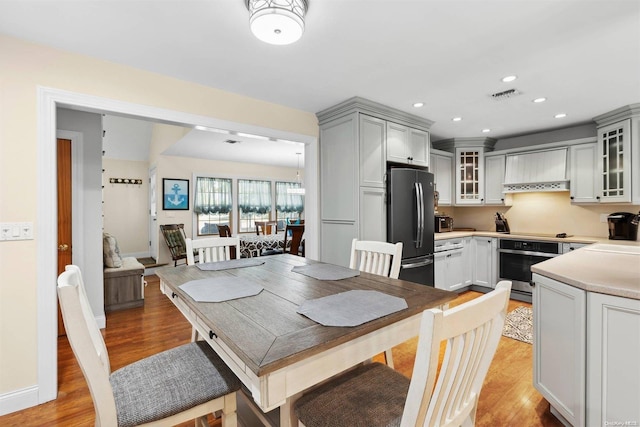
(602,268)
(610,267)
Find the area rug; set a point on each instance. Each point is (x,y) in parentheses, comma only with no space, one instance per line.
(519,325)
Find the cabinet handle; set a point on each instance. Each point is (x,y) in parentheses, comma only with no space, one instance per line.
(212,335)
(502,200)
(173,295)
(482,200)
(532,283)
(571,197)
(597,197)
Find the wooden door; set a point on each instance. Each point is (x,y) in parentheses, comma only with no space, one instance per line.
(64,212)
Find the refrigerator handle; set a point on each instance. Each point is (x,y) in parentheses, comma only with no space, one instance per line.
(421,214)
(418,214)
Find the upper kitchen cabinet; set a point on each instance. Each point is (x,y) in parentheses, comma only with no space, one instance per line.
(441,166)
(584,176)
(354,141)
(469,167)
(407,145)
(494,179)
(619,155)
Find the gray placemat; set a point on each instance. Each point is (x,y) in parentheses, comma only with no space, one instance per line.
(229,264)
(351,308)
(218,289)
(323,271)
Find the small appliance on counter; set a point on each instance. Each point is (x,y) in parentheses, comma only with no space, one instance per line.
(502,226)
(623,226)
(443,223)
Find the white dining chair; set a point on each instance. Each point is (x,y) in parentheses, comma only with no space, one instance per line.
(178,385)
(379,258)
(211,249)
(375,395)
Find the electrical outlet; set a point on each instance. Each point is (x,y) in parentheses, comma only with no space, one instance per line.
(603,217)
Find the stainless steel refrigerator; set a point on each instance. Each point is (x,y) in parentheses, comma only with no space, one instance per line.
(410,221)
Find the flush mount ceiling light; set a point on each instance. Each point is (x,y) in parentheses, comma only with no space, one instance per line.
(560,115)
(277,21)
(418,104)
(457,119)
(508,79)
(486,130)
(539,100)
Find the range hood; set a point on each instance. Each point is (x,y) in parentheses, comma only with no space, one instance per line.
(534,171)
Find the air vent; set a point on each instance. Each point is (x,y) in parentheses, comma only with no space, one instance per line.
(232,141)
(499,96)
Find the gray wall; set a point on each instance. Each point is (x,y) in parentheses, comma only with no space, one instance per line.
(565,134)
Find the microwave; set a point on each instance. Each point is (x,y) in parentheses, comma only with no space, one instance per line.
(443,224)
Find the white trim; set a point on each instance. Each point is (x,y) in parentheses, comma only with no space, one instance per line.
(18,400)
(49,99)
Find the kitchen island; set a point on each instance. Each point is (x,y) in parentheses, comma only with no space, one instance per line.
(587,334)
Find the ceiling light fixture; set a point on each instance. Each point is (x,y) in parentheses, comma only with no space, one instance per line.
(560,115)
(457,119)
(300,189)
(539,100)
(486,130)
(277,21)
(508,79)
(418,104)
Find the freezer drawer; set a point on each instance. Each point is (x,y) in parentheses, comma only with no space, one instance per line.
(418,270)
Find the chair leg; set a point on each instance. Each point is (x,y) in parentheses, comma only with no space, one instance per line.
(388,357)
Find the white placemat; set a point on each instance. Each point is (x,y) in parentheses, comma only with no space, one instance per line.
(218,289)
(229,264)
(351,308)
(322,271)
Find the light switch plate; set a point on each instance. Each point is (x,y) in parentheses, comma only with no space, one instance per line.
(16,231)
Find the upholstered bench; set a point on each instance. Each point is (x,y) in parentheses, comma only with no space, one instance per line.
(124,286)
(123,278)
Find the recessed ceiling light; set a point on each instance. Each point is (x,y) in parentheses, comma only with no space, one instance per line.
(457,119)
(508,79)
(418,104)
(560,115)
(539,100)
(486,130)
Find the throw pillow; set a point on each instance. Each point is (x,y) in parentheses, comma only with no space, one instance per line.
(110,251)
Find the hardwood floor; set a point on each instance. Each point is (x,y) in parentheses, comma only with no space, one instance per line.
(508,397)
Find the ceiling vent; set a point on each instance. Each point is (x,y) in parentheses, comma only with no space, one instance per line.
(499,96)
(232,141)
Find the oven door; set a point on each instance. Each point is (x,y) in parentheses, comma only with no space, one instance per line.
(516,265)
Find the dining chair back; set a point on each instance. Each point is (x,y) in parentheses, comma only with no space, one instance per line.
(374,394)
(225,231)
(293,234)
(211,249)
(266,227)
(379,258)
(144,392)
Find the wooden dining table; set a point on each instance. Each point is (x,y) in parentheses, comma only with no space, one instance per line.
(278,353)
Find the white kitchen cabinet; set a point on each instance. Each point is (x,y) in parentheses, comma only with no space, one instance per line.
(494,179)
(583,173)
(559,347)
(441,165)
(469,176)
(613,370)
(614,142)
(468,255)
(485,253)
(448,272)
(568,247)
(407,145)
(373,214)
(372,136)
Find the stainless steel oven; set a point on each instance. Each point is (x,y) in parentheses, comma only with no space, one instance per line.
(516,258)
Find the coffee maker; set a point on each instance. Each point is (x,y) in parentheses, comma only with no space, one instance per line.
(502,226)
(623,226)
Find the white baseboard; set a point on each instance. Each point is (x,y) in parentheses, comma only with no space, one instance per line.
(18,400)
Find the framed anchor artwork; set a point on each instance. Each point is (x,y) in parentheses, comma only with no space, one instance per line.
(175,194)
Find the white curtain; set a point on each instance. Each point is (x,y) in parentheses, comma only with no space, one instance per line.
(212,196)
(287,202)
(254,196)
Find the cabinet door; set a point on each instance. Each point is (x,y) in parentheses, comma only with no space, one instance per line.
(613,393)
(373,214)
(468,253)
(440,270)
(441,167)
(559,347)
(455,270)
(372,157)
(583,173)
(484,253)
(335,241)
(469,176)
(494,180)
(418,149)
(397,142)
(614,161)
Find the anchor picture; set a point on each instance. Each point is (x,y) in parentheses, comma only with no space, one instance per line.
(175,194)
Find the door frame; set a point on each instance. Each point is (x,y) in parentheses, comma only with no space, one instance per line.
(48,100)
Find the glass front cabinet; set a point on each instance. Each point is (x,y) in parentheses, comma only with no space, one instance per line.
(469,176)
(614,142)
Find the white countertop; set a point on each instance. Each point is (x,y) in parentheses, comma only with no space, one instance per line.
(525,236)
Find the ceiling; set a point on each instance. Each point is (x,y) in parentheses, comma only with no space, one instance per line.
(582,55)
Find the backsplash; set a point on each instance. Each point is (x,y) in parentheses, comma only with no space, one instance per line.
(549,213)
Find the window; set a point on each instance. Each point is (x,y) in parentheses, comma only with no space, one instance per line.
(288,206)
(213,204)
(254,203)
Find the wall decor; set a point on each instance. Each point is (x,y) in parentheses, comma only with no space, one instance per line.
(175,194)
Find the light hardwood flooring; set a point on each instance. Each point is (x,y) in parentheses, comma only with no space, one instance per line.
(508,397)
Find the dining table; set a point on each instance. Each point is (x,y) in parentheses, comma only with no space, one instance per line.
(253,244)
(277,337)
